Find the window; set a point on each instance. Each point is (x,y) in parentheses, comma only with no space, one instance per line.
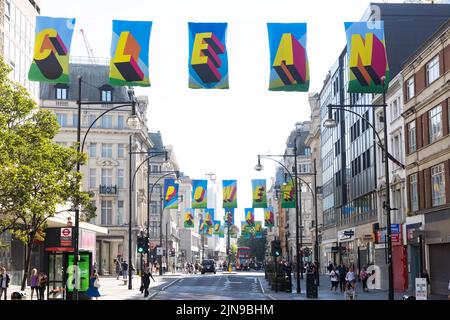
(120,122)
(106,212)
(437,185)
(61,93)
(120,213)
(155,169)
(410,88)
(304,167)
(92,118)
(93,204)
(92,150)
(75,119)
(107,121)
(433,70)
(412,136)
(154,206)
(106,95)
(307,151)
(120,178)
(62,119)
(395,109)
(106,150)
(92,178)
(106,177)
(121,151)
(435,123)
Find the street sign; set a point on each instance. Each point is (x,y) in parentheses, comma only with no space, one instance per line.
(66,237)
(159,251)
(421,289)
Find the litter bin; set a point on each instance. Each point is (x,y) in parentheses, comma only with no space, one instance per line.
(311,285)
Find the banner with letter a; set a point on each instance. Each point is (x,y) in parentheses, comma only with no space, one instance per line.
(170,194)
(189,218)
(367,59)
(209,216)
(129,53)
(259,193)
(258,229)
(249,216)
(229,189)
(199,194)
(269,217)
(289,66)
(208,57)
(53,37)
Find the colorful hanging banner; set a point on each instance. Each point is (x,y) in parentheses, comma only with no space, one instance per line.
(216,227)
(249,216)
(287,195)
(199,194)
(269,217)
(244,228)
(229,188)
(259,193)
(208,57)
(222,232)
(229,216)
(258,229)
(53,37)
(367,59)
(289,66)
(189,218)
(209,216)
(129,53)
(170,194)
(209,231)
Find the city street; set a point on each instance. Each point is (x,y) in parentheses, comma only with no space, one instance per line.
(240,286)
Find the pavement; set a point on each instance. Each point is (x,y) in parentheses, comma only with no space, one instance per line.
(324,292)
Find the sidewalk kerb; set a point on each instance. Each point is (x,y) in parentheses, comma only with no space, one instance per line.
(164,288)
(260,284)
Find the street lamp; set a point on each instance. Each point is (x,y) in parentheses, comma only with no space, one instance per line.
(331,123)
(132,121)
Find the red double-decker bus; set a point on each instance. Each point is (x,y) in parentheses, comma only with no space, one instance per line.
(243,258)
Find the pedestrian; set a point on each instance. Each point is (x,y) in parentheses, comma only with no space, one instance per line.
(342,272)
(34,283)
(334,277)
(43,280)
(173,268)
(118,268)
(124,270)
(146,280)
(94,284)
(4,282)
(363,275)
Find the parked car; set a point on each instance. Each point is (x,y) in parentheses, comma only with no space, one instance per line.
(208,266)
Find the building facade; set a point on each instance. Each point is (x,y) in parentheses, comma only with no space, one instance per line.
(427,144)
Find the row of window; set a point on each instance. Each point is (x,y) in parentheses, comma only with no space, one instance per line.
(105,122)
(106,177)
(431,75)
(62,92)
(437,188)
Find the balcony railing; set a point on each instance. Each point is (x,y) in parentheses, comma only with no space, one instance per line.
(108,189)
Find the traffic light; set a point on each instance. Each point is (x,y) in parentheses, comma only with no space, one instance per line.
(276,248)
(142,244)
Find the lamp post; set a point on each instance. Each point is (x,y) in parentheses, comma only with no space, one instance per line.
(132,122)
(331,123)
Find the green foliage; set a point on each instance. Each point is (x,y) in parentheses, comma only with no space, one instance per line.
(257,245)
(36,173)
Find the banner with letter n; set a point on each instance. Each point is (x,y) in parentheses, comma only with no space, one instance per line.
(367,59)
(208,57)
(287,195)
(53,37)
(170,194)
(229,190)
(129,53)
(289,66)
(189,218)
(249,216)
(269,217)
(199,194)
(259,193)
(229,216)
(245,228)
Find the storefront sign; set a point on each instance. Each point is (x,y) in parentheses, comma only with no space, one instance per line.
(421,289)
(410,228)
(395,235)
(346,235)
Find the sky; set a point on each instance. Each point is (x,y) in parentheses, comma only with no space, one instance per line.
(219,131)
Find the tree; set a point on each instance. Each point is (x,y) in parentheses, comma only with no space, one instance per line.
(257,245)
(36,173)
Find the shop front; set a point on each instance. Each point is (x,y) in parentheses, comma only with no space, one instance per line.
(347,247)
(365,242)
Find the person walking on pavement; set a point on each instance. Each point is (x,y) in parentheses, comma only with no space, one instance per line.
(34,283)
(94,284)
(146,280)
(350,284)
(334,277)
(43,279)
(4,283)
(342,273)
(125,270)
(118,268)
(363,275)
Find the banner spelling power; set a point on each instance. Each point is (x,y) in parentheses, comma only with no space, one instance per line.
(51,50)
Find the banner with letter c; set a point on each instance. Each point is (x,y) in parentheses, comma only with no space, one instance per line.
(53,37)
